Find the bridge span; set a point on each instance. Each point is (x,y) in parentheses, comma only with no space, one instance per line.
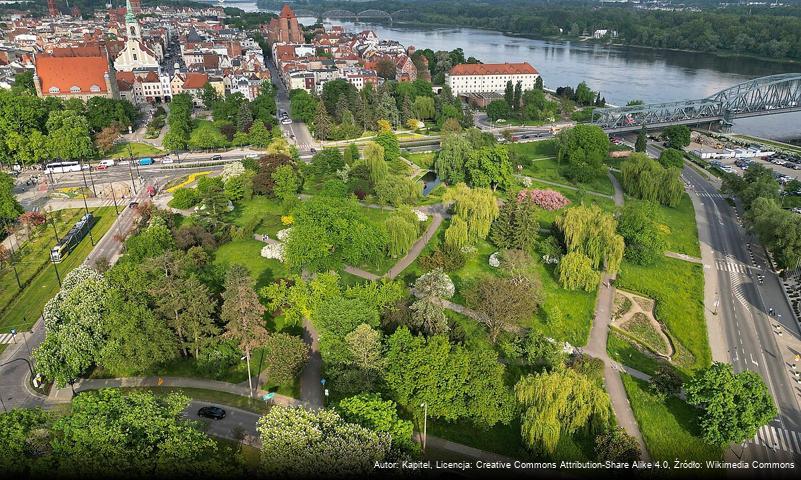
(761,96)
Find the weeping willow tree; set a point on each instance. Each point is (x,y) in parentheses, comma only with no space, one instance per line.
(456,235)
(647,179)
(593,232)
(575,271)
(401,235)
(477,206)
(559,403)
(374,160)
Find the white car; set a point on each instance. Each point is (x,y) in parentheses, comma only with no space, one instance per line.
(167,160)
(727,168)
(252,155)
(107,163)
(286,121)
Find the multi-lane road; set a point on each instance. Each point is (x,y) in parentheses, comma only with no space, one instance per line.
(741,329)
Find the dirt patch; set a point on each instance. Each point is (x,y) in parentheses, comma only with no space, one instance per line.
(634,316)
(640,327)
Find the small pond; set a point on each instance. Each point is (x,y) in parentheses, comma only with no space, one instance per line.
(430,181)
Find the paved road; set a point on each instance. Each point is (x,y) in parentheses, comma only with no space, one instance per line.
(739,328)
(15,376)
(296,132)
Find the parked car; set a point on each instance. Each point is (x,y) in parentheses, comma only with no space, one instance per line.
(107,163)
(215,413)
(167,160)
(101,167)
(313,150)
(133,204)
(797,210)
(216,157)
(146,161)
(286,121)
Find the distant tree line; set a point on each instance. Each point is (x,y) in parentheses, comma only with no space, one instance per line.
(766,32)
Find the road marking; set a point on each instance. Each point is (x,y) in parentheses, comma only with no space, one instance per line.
(6,338)
(770,436)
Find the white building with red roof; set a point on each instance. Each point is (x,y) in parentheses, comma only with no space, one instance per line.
(489,77)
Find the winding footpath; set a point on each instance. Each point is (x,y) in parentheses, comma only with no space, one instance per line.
(597,348)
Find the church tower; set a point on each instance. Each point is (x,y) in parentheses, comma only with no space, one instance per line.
(132,28)
(51,8)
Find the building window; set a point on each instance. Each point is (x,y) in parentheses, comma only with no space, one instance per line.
(133,30)
(75,89)
(54,90)
(134,57)
(94,89)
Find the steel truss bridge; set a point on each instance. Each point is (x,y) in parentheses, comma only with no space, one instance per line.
(357,16)
(760,96)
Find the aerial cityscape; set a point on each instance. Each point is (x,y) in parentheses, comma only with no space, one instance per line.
(449,238)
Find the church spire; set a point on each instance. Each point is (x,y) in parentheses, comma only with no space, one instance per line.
(129,13)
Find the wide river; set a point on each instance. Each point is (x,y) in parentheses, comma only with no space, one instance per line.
(620,73)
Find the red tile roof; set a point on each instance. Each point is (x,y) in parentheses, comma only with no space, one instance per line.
(82,51)
(125,81)
(493,69)
(286,12)
(66,72)
(195,80)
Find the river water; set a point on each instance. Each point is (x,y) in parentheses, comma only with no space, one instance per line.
(620,73)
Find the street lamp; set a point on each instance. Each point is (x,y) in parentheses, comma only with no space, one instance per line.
(85,205)
(425,423)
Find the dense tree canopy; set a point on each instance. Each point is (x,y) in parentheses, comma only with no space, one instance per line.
(583,148)
(734,405)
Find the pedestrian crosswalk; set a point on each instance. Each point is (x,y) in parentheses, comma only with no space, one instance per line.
(778,439)
(6,338)
(731,266)
(710,195)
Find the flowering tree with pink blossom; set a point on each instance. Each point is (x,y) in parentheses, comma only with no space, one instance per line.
(546,199)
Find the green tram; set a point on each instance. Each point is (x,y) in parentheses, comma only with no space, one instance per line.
(71,239)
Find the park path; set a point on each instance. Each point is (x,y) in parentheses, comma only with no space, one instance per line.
(596,347)
(417,248)
(682,256)
(311,390)
(618,196)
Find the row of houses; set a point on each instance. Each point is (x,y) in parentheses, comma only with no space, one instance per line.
(144,58)
(359,58)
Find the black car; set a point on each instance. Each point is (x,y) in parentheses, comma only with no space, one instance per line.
(313,150)
(215,413)
(216,157)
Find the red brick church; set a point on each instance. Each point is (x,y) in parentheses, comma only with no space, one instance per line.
(285,28)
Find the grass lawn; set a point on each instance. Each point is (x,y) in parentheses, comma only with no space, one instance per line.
(622,351)
(24,309)
(548,169)
(678,288)
(506,440)
(534,150)
(210,396)
(248,253)
(683,236)
(565,314)
(269,210)
(138,149)
(670,427)
(422,160)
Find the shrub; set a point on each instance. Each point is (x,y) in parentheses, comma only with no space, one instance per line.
(546,199)
(184,198)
